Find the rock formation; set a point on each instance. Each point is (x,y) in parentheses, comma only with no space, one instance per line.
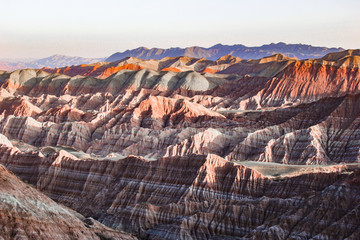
(262,149)
(25,213)
(198,197)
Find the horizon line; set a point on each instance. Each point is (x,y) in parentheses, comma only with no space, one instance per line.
(30,59)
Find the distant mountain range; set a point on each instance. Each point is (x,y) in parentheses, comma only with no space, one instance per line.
(52,62)
(300,51)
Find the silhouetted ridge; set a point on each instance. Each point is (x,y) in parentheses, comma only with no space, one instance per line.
(300,51)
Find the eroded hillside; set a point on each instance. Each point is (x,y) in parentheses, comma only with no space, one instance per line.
(191,148)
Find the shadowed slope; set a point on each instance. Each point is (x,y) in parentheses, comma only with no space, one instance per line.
(25,213)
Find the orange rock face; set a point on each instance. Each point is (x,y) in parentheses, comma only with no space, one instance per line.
(209,70)
(171,69)
(95,70)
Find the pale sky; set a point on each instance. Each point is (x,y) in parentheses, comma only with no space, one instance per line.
(88,28)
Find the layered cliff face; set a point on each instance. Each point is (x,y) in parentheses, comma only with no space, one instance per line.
(25,213)
(315,79)
(337,74)
(197,197)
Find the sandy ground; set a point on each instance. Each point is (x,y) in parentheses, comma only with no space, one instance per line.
(276,170)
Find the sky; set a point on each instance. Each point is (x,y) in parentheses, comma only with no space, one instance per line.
(40,28)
